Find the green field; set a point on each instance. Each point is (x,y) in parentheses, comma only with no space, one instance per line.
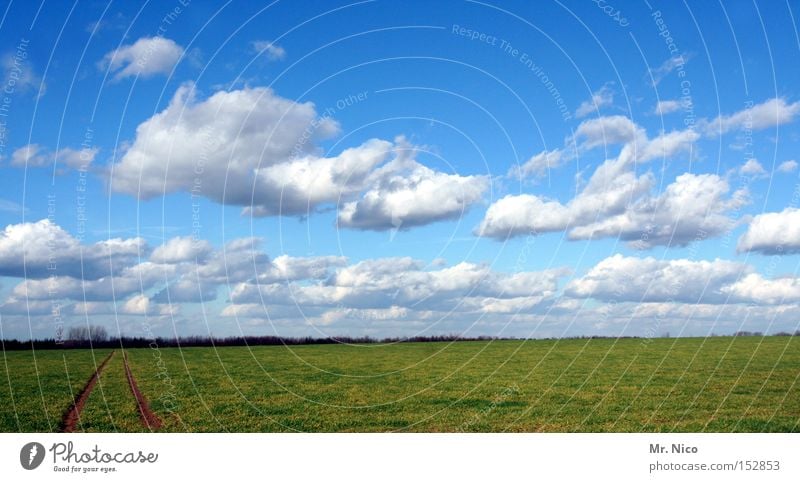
(721,384)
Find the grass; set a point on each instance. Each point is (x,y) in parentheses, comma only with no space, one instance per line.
(111,406)
(715,384)
(37,387)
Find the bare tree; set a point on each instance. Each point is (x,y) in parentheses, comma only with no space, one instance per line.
(93,333)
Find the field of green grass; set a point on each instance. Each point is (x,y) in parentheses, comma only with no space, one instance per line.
(36,388)
(747,384)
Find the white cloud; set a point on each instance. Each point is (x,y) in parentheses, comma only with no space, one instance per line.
(269,49)
(771,113)
(605,131)
(603,97)
(666,145)
(88,308)
(522,215)
(41,249)
(146,57)
(137,305)
(405,194)
(217,142)
(773,233)
(76,159)
(693,208)
(21,306)
(34,155)
(754,288)
(289,268)
(239,260)
(539,164)
(127,281)
(19,76)
(752,168)
(326,290)
(620,278)
(187,289)
(602,131)
(689,319)
(615,202)
(299,186)
(380,284)
(667,67)
(181,249)
(788,166)
(31,155)
(254,149)
(142,305)
(667,107)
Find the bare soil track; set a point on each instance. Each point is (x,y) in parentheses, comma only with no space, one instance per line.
(71,419)
(149,419)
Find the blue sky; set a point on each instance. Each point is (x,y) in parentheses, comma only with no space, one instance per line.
(399,168)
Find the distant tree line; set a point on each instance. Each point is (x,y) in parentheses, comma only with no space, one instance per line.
(97,337)
(92,333)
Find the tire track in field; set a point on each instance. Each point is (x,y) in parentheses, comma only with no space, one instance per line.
(73,414)
(149,419)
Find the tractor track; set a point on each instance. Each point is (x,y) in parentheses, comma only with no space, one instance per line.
(149,419)
(72,417)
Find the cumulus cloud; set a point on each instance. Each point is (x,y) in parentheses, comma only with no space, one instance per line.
(181,249)
(142,305)
(181,270)
(773,233)
(21,306)
(752,168)
(665,145)
(621,278)
(754,288)
(616,202)
(384,291)
(146,57)
(76,158)
(239,260)
(301,185)
(42,249)
(226,137)
(788,166)
(34,155)
(134,279)
(405,194)
(380,284)
(286,268)
(692,208)
(603,97)
(607,131)
(693,319)
(188,289)
(269,49)
(517,215)
(770,113)
(254,149)
(539,164)
(602,131)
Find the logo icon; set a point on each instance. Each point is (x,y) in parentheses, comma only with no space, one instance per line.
(31,455)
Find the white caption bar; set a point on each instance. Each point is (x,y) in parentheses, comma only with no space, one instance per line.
(370,457)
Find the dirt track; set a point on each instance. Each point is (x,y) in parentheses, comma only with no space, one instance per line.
(149,419)
(72,416)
